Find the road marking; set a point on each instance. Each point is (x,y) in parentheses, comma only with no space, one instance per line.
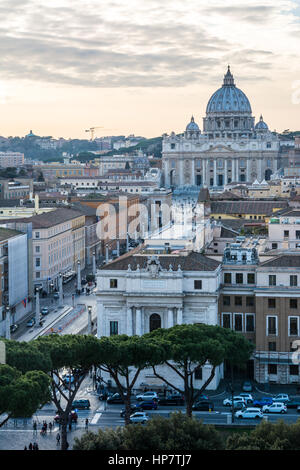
(96,417)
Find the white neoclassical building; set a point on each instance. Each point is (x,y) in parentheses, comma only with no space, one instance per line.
(141,291)
(231,148)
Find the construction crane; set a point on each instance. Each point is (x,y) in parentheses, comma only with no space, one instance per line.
(92,131)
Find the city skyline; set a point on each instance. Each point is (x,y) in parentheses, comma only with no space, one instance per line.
(68,66)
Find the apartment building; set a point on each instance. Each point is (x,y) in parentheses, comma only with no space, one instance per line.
(14,276)
(284,230)
(11,159)
(58,242)
(16,188)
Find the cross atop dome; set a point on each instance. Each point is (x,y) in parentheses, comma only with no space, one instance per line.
(228,78)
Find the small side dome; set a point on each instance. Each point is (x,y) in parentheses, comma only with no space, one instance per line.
(192,126)
(261,125)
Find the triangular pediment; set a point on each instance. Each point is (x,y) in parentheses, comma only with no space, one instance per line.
(221,148)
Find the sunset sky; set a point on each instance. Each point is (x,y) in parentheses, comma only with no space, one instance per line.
(143,66)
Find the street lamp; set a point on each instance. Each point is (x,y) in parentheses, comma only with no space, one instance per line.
(78,277)
(90,319)
(37,306)
(60,289)
(7,321)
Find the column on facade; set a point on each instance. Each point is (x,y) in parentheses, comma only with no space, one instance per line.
(138,321)
(193,175)
(179,316)
(100,320)
(248,170)
(215,172)
(167,174)
(225,171)
(237,170)
(181,172)
(259,175)
(170,318)
(203,163)
(129,325)
(232,170)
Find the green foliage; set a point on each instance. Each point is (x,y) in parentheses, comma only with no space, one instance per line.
(178,433)
(21,395)
(26,356)
(268,436)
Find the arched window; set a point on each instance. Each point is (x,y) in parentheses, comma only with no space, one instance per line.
(155,322)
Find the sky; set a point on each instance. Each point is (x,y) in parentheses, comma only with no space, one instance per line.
(143,66)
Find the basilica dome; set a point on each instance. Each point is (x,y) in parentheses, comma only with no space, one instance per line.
(261,125)
(192,126)
(229,98)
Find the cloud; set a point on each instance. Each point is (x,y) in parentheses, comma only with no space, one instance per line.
(132,44)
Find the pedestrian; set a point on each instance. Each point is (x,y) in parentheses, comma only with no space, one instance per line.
(25,448)
(58,439)
(34,427)
(35,446)
(30,446)
(67,445)
(86,423)
(50,426)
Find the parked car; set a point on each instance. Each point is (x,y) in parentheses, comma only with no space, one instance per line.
(73,416)
(147,395)
(239,405)
(203,405)
(175,399)
(139,417)
(68,378)
(282,398)
(248,397)
(247,386)
(45,311)
(83,404)
(249,413)
(83,282)
(14,327)
(293,404)
(276,407)
(148,405)
(133,409)
(228,401)
(31,322)
(259,402)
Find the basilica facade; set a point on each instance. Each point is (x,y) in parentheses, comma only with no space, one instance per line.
(231,148)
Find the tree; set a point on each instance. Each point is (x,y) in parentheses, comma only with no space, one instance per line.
(189,347)
(124,357)
(267,436)
(24,384)
(76,354)
(177,433)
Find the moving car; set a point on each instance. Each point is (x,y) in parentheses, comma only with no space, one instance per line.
(147,396)
(228,401)
(115,399)
(81,404)
(14,327)
(45,311)
(292,403)
(133,409)
(247,386)
(139,417)
(249,413)
(282,398)
(262,401)
(175,399)
(248,397)
(148,405)
(73,416)
(203,405)
(56,295)
(31,322)
(275,408)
